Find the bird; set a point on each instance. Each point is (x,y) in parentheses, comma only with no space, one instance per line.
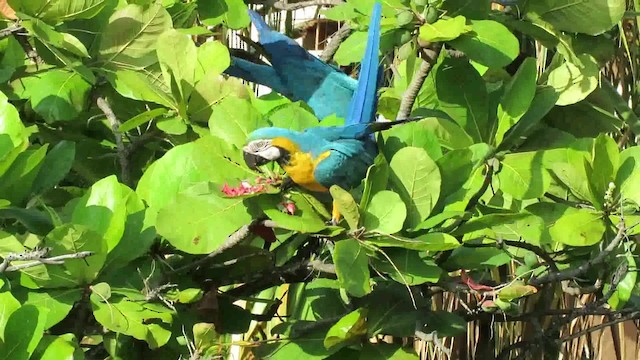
(296,74)
(320,157)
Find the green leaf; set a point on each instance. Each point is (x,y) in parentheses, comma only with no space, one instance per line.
(233,119)
(628,175)
(23,332)
(385,213)
(59,10)
(306,219)
(213,57)
(603,168)
(516,290)
(59,347)
(408,267)
(417,179)
(103,209)
(411,134)
(141,119)
(56,166)
(543,101)
(346,205)
(178,57)
(141,85)
(200,220)
(463,95)
(523,175)
(488,43)
(59,302)
(232,12)
(578,227)
(575,81)
(517,98)
(16,184)
(376,180)
(426,242)
(56,95)
(134,319)
(130,38)
(347,330)
(591,17)
(455,169)
(352,267)
(443,29)
(293,116)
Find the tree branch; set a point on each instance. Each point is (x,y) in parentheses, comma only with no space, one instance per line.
(410,95)
(39,257)
(123,157)
(575,272)
(334,43)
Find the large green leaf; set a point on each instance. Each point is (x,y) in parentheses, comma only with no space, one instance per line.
(103,209)
(443,29)
(352,267)
(517,98)
(59,302)
(144,323)
(59,10)
(574,81)
(602,170)
(348,329)
(488,43)
(586,16)
(129,40)
(233,119)
(417,179)
(628,175)
(463,95)
(24,330)
(385,213)
(56,95)
(59,347)
(523,175)
(200,220)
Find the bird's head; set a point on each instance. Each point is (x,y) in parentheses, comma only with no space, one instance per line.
(268,144)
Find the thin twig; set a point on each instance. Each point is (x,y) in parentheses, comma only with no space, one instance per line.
(410,95)
(39,259)
(232,240)
(123,157)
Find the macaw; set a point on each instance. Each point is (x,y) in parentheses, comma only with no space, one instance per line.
(296,74)
(320,157)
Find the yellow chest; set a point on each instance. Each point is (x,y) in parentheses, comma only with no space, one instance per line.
(300,169)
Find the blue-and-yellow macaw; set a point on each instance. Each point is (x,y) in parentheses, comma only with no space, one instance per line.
(296,74)
(320,157)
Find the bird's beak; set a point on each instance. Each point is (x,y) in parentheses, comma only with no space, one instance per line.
(253,161)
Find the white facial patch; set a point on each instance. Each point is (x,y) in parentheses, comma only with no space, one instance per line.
(263,149)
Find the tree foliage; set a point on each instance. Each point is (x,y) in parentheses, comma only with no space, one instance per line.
(132,228)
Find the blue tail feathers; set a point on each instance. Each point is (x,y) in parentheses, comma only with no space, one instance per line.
(363,104)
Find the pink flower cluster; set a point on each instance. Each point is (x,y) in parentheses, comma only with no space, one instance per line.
(245,187)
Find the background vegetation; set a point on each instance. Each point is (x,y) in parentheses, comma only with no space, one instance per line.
(506,228)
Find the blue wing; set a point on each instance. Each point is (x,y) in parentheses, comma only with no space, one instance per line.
(364,101)
(297,74)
